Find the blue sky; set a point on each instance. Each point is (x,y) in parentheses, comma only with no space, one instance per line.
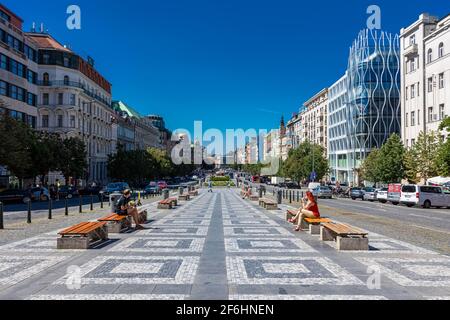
(231,64)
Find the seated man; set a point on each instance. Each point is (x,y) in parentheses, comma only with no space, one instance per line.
(309,209)
(126,207)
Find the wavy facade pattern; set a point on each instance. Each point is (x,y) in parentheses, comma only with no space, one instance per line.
(372,110)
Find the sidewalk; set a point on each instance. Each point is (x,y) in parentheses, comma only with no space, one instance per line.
(219,246)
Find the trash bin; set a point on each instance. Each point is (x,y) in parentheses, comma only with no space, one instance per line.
(166,194)
(280,197)
(113,198)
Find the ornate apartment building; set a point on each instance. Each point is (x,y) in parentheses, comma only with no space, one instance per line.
(74,101)
(313,119)
(425,76)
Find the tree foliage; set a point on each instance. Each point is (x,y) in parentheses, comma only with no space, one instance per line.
(304,160)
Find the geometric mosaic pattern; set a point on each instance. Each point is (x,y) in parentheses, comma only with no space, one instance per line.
(293,271)
(250,231)
(433,272)
(16,269)
(138,270)
(158,244)
(266,245)
(256,297)
(110,297)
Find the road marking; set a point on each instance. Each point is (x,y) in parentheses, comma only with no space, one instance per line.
(431,229)
(428,217)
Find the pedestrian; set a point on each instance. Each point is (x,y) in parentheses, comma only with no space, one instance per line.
(126,207)
(310,209)
(210,186)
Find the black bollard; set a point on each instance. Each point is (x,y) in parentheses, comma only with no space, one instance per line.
(81,204)
(50,205)
(290,196)
(29,212)
(101,202)
(1,216)
(92,202)
(66,204)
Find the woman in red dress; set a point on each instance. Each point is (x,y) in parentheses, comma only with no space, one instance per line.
(310,209)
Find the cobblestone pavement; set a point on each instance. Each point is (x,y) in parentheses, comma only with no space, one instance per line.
(218,246)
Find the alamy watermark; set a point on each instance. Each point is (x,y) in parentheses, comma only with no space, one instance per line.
(73,281)
(73,21)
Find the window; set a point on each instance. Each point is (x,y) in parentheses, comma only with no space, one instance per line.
(406,93)
(413,118)
(60,121)
(430,84)
(73,100)
(441,81)
(430,114)
(413,91)
(4,62)
(20,94)
(441,50)
(72,121)
(31,99)
(45,121)
(13,66)
(46,79)
(31,76)
(418,117)
(430,56)
(66,62)
(406,119)
(45,99)
(60,98)
(412,65)
(46,58)
(441,112)
(3,88)
(13,93)
(66,80)
(412,40)
(413,142)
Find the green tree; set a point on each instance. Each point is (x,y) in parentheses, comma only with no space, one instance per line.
(370,168)
(390,161)
(16,140)
(442,160)
(73,158)
(303,160)
(423,156)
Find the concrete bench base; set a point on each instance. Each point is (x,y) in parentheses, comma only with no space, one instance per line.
(73,243)
(254,198)
(352,244)
(165,206)
(143,215)
(184,198)
(119,226)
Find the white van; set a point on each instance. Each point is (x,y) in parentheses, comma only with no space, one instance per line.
(313,185)
(424,196)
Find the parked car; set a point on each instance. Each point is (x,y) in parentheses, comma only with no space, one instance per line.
(382,195)
(118,187)
(40,194)
(162,185)
(90,190)
(369,194)
(323,192)
(14,196)
(152,188)
(424,196)
(394,193)
(68,191)
(313,185)
(357,193)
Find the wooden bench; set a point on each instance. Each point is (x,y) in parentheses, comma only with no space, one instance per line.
(116,223)
(346,237)
(313,225)
(184,197)
(82,236)
(174,202)
(165,204)
(268,204)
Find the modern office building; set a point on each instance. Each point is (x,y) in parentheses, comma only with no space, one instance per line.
(364,109)
(425,74)
(18,75)
(74,101)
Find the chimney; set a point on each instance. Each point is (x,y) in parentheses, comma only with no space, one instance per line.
(33,27)
(42,28)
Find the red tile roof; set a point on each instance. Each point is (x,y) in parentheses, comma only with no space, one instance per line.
(45,41)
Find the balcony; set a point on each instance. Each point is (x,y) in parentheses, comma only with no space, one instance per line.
(411,51)
(72,84)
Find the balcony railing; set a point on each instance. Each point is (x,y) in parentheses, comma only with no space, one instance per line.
(72,84)
(412,50)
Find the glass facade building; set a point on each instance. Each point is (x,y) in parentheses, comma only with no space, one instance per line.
(364,108)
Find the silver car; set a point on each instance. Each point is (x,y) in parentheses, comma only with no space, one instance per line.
(323,192)
(370,194)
